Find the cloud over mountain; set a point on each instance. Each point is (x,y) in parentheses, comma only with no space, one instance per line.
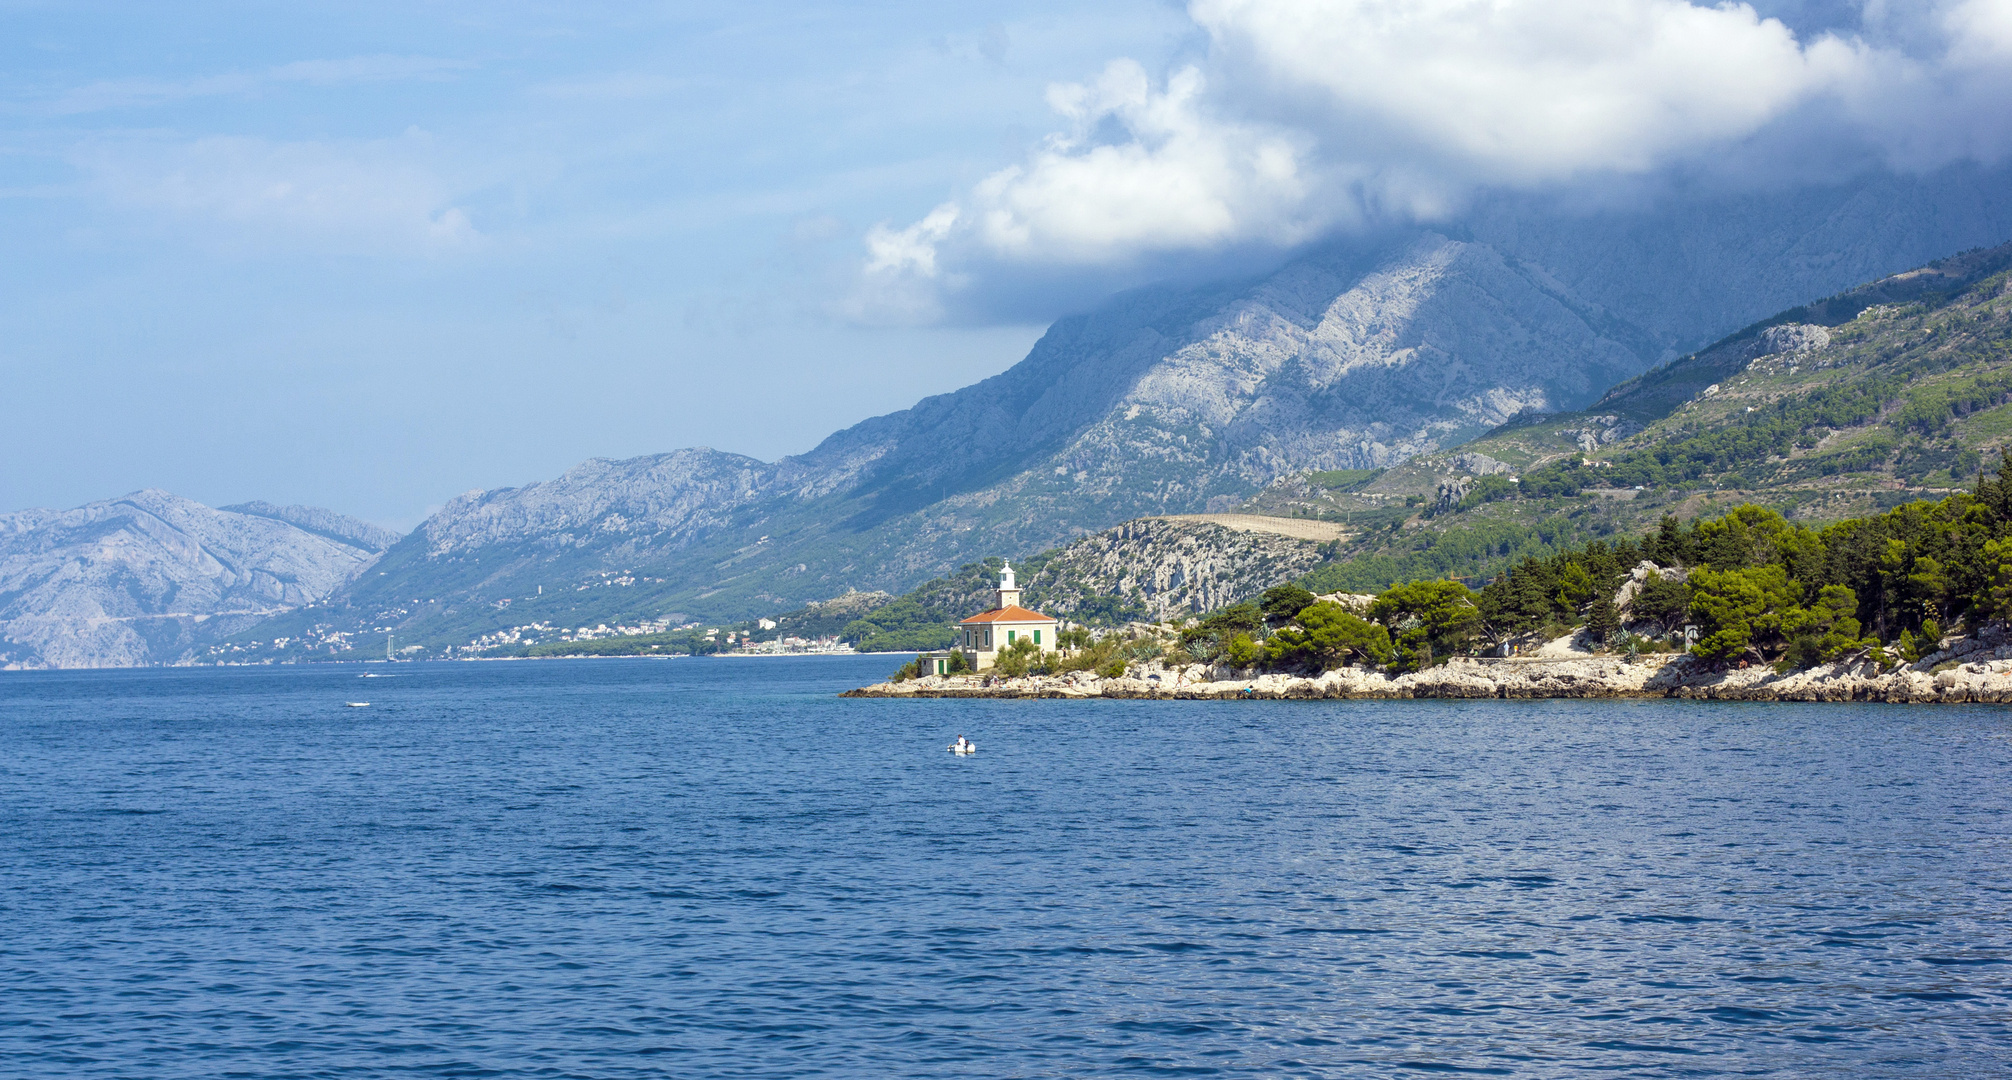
(1308,116)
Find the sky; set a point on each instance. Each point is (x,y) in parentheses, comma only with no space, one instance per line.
(370,255)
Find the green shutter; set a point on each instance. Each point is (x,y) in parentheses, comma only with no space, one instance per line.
(1037,637)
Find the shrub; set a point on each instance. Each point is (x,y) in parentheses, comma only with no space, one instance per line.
(1281,602)
(1430,621)
(1329,635)
(1662,601)
(1208,640)
(1243,651)
(1602,621)
(1016,659)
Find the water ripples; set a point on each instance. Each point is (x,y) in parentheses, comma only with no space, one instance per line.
(700,868)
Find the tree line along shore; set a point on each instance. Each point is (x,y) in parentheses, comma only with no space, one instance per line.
(1909,605)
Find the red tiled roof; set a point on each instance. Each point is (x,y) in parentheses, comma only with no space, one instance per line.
(1016,613)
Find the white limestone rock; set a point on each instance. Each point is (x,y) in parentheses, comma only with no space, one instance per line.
(142,579)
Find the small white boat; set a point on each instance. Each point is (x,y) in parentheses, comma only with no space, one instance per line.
(962,746)
(356,704)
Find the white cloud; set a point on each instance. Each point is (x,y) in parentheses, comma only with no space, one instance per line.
(902,281)
(1979,31)
(911,250)
(1532,89)
(1179,179)
(1313,114)
(1140,171)
(362,197)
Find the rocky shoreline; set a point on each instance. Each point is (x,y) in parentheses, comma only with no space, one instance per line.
(1968,670)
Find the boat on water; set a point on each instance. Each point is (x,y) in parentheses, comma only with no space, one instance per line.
(963,746)
(356,704)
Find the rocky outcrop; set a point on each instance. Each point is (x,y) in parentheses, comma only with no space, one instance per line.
(146,578)
(1984,675)
(1791,339)
(1598,431)
(1481,465)
(657,501)
(326,523)
(852,604)
(1172,568)
(1624,597)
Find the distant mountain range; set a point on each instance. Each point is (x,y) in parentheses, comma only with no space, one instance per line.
(151,577)
(1164,400)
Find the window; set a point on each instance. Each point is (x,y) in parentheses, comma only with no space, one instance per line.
(1037,637)
(1009,636)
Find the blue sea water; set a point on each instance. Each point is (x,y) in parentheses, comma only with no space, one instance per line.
(717,868)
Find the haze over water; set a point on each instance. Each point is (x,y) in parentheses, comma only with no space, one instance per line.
(717,868)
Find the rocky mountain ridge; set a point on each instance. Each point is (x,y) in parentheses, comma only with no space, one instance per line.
(1169,569)
(149,577)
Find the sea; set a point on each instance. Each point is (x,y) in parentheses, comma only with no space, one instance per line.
(717,867)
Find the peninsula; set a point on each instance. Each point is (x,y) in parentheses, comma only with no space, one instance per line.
(1969,670)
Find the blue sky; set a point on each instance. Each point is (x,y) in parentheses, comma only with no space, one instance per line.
(370,255)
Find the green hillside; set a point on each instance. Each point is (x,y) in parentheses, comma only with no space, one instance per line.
(1896,391)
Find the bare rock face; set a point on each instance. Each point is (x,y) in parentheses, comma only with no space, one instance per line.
(1172,568)
(1320,368)
(853,603)
(1481,465)
(338,527)
(144,578)
(1164,401)
(1791,338)
(662,499)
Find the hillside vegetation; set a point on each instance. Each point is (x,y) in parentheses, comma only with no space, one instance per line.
(1750,586)
(1880,396)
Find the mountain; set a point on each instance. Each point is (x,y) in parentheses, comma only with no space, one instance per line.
(1892,392)
(149,577)
(340,528)
(1174,399)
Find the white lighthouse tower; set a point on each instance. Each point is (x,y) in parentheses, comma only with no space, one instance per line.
(1008,592)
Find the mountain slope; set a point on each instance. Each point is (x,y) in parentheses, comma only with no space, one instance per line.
(1165,400)
(144,578)
(1891,392)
